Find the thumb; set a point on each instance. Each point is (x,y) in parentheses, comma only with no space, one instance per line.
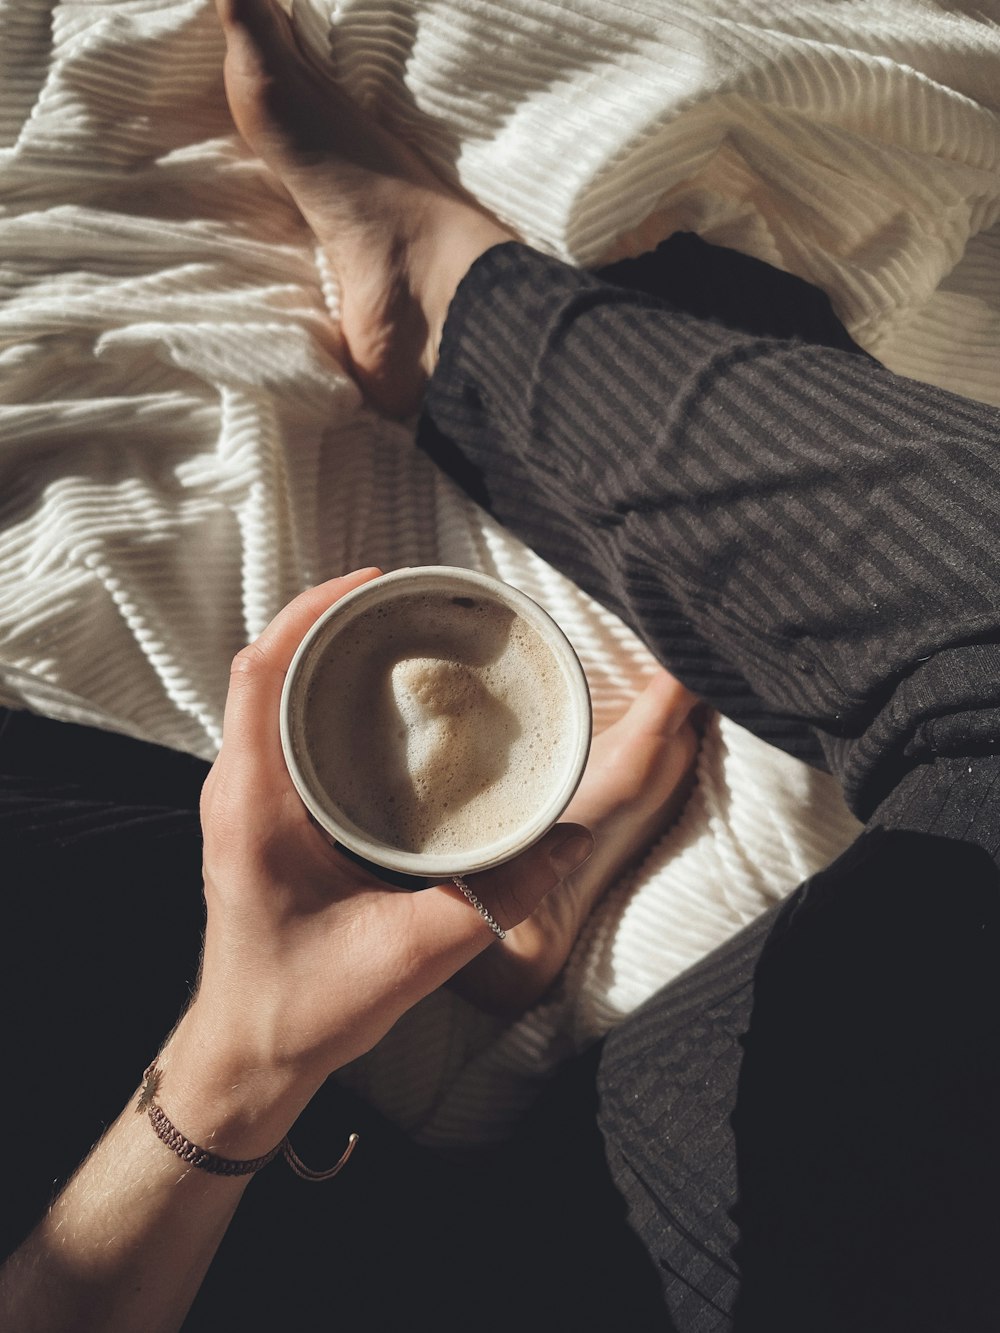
(513,890)
(448,930)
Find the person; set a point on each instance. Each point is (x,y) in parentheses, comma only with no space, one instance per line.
(801,1129)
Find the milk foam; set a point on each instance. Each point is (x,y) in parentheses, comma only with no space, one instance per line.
(439,724)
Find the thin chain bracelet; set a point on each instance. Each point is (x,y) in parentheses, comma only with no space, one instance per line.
(481,908)
(205,1160)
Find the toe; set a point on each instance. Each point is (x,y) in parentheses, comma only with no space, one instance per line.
(662,708)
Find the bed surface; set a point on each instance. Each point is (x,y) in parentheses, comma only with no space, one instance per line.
(180,451)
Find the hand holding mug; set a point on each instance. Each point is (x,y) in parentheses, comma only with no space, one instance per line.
(308,958)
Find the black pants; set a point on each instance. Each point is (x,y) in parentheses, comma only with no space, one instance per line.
(798,1134)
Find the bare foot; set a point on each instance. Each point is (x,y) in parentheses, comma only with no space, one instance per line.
(637,780)
(398,238)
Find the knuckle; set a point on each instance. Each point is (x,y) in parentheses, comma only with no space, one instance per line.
(248,661)
(207,792)
(509,893)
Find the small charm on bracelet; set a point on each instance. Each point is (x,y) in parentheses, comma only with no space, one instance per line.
(151,1081)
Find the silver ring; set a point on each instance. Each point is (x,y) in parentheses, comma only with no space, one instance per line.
(483,911)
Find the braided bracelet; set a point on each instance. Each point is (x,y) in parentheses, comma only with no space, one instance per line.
(204,1160)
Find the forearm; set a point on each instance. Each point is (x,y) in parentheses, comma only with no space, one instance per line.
(128,1242)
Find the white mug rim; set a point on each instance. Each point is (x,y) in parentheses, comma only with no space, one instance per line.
(422,865)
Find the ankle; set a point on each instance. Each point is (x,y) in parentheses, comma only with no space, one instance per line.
(454,235)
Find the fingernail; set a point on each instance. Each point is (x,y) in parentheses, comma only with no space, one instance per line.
(571,852)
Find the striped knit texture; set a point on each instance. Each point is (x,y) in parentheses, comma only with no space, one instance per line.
(180,451)
(822,524)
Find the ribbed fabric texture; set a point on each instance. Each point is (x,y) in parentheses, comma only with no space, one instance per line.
(667,1091)
(824,526)
(814,1106)
(826,140)
(181,452)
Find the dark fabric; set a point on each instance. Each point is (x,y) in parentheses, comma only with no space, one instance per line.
(735,290)
(533,1236)
(801,536)
(101,853)
(802,1127)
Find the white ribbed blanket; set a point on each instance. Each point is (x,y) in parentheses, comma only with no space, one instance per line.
(180,451)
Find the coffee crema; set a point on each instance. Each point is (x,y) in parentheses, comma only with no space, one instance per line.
(438,723)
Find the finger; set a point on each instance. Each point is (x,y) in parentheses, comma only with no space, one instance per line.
(513,890)
(258,670)
(447,930)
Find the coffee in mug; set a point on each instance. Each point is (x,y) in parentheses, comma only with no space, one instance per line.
(435,721)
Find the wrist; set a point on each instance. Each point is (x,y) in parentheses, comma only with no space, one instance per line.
(222,1098)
